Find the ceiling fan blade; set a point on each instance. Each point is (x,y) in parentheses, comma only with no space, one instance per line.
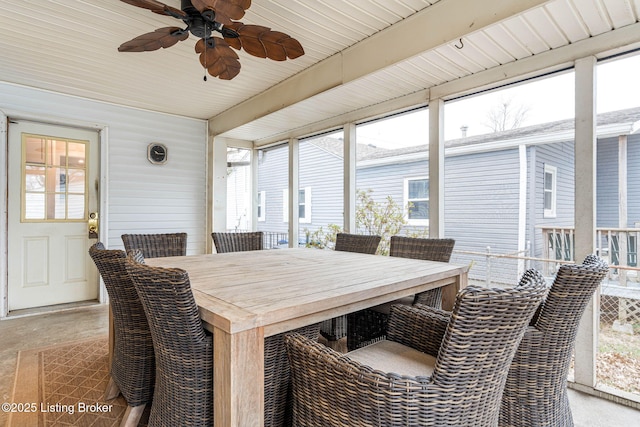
(157,7)
(263,42)
(225,10)
(162,37)
(220,60)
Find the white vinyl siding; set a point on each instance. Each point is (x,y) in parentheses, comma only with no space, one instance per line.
(141,197)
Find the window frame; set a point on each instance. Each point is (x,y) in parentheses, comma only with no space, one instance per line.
(306,219)
(261,205)
(407,200)
(552,211)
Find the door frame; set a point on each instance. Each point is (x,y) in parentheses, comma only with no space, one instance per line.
(103,142)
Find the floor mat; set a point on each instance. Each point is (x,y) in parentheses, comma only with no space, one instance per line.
(64,385)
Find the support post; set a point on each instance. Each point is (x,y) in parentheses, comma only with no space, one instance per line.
(436,168)
(294,188)
(349,165)
(585,211)
(219,174)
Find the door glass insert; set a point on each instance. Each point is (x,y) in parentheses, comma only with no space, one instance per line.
(55,179)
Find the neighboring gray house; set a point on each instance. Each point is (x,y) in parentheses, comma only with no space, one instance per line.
(506,192)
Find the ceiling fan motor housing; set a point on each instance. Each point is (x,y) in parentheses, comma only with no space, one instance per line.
(200,24)
(186,6)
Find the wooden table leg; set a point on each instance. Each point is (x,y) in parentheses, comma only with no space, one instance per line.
(449,292)
(238,372)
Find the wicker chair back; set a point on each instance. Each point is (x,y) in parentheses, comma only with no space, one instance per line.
(157,245)
(426,249)
(360,243)
(133,362)
(238,242)
(536,388)
(369,325)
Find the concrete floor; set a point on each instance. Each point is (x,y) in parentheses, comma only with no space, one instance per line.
(45,329)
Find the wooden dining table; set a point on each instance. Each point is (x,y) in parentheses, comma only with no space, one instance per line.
(244,297)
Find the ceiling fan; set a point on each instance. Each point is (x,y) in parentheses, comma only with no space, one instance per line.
(202,19)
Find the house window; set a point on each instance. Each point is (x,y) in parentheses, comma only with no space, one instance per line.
(550,176)
(416,192)
(304,205)
(261,206)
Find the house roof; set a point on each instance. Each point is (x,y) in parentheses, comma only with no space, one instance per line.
(628,118)
(362,58)
(335,146)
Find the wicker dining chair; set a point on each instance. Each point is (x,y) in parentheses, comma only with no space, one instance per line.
(370,325)
(359,243)
(336,328)
(132,369)
(238,241)
(416,377)
(157,245)
(536,389)
(184,353)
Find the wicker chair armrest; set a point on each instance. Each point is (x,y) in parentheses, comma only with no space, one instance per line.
(420,327)
(330,389)
(531,371)
(535,354)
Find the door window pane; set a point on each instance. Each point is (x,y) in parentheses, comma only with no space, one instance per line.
(55,182)
(34,179)
(34,150)
(76,181)
(75,206)
(60,206)
(57,152)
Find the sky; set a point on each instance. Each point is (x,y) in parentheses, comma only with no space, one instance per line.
(546,100)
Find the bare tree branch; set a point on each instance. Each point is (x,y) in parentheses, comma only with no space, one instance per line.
(506,115)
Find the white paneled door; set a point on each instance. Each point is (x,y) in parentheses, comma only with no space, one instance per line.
(53,176)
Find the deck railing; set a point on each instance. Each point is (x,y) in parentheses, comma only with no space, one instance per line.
(618,246)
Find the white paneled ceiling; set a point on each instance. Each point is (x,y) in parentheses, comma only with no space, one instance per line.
(358,54)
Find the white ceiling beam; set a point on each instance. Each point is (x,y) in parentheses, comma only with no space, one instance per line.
(616,41)
(434,26)
(552,60)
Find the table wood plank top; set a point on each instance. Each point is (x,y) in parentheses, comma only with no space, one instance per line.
(283,289)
